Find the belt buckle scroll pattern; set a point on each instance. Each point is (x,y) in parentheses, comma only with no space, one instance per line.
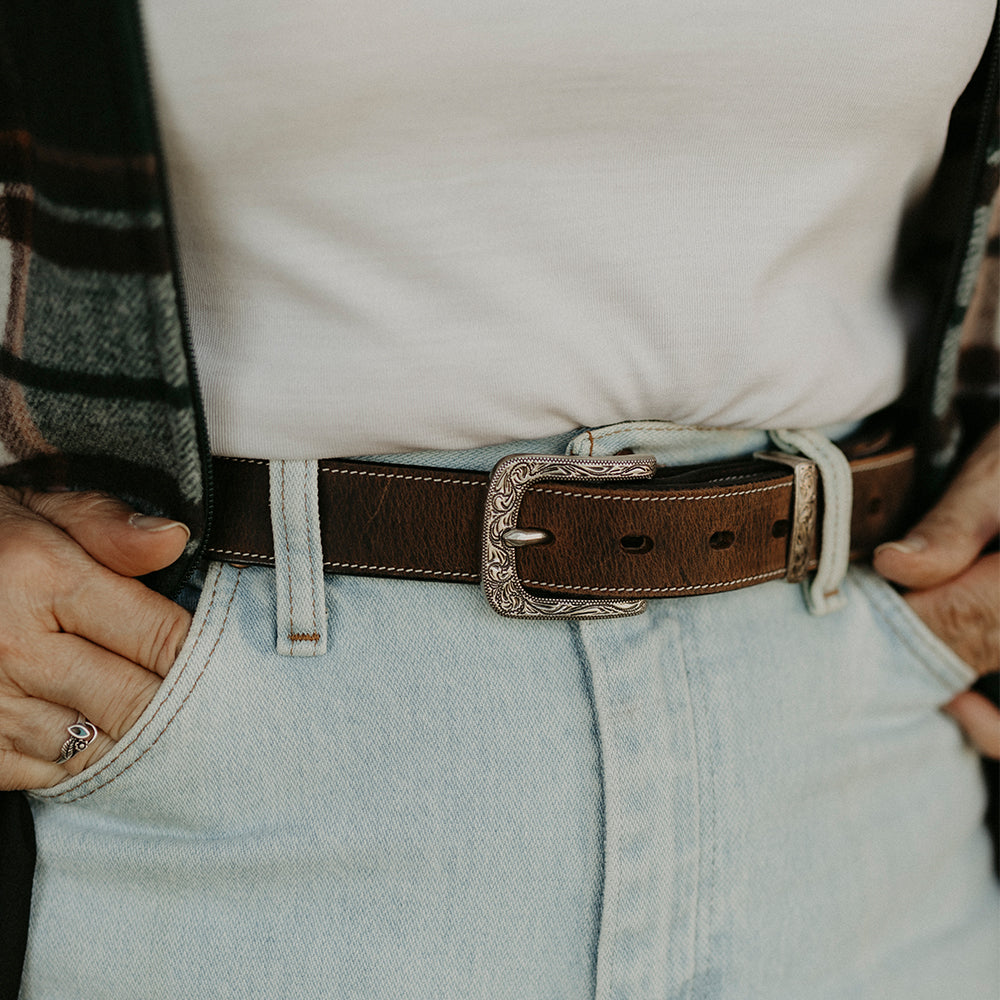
(511,478)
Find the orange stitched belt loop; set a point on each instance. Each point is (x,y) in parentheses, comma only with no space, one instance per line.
(300,629)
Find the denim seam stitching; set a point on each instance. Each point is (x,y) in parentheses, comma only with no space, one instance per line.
(288,558)
(917,644)
(106,762)
(604,724)
(699,789)
(673,429)
(844,486)
(184,701)
(309,543)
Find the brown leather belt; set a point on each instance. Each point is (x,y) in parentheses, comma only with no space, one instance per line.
(688,530)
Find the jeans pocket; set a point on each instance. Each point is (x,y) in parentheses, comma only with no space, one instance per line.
(176,693)
(913,639)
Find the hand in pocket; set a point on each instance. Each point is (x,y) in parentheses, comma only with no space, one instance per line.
(953,586)
(81,640)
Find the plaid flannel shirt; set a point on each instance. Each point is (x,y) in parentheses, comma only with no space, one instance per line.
(97,383)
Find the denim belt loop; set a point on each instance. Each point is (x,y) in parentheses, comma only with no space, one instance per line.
(298,558)
(822,593)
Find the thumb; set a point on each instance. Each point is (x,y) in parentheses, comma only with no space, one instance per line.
(110,531)
(952,534)
(980,719)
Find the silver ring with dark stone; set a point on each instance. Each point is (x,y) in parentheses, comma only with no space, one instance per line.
(81,734)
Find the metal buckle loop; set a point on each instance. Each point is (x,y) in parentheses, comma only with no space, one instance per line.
(501,537)
(805,500)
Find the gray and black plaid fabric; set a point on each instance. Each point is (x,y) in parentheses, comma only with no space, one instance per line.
(948,264)
(96,379)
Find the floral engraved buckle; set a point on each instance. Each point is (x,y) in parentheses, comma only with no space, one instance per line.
(511,478)
(805,503)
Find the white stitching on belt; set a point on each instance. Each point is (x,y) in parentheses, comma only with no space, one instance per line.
(660,499)
(396,475)
(230,552)
(400,569)
(659,590)
(342,565)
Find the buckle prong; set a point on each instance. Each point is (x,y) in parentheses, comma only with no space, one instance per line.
(511,478)
(521,538)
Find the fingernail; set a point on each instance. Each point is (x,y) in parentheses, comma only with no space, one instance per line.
(146,523)
(910,545)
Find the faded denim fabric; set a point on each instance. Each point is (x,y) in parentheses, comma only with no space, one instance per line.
(724,798)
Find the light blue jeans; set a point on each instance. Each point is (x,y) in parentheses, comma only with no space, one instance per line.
(725,798)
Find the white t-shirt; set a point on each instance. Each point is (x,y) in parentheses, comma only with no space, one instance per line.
(434,224)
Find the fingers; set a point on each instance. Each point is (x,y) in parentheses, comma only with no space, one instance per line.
(39,729)
(66,670)
(965,613)
(124,617)
(108,530)
(980,719)
(65,677)
(949,538)
(19,769)
(953,588)
(49,584)
(76,636)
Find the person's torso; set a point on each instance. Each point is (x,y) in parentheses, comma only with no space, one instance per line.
(444,225)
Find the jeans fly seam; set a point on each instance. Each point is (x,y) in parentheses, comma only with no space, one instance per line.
(699,839)
(609,893)
(184,701)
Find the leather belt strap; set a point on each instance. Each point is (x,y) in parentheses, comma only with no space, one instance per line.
(690,530)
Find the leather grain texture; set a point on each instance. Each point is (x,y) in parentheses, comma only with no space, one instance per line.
(687,531)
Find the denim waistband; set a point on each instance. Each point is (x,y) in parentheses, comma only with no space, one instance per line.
(672,444)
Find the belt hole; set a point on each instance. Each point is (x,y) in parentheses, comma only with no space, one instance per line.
(636,545)
(722,539)
(781,528)
(875,506)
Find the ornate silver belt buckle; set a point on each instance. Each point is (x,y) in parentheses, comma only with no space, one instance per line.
(502,537)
